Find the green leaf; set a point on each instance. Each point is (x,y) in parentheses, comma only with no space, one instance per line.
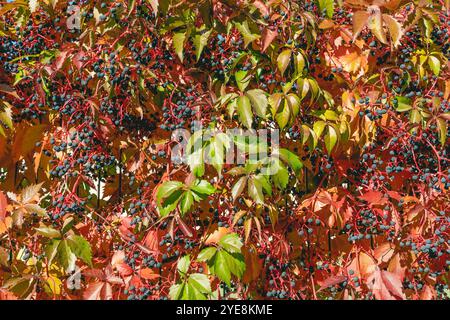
(200,282)
(66,257)
(275,102)
(403,104)
(48,232)
(231,242)
(200,41)
(255,190)
(183,264)
(167,189)
(51,250)
(170,203)
(242,80)
(203,188)
(299,63)
(280,175)
(206,254)
(318,127)
(415,116)
(263,179)
(178,43)
(68,224)
(235,262)
(81,248)
(246,32)
(327,6)
(291,159)
(259,101)
(293,102)
(330,139)
(221,268)
(176,291)
(283,60)
(283,117)
(186,202)
(326,115)
(218,144)
(244,110)
(435,65)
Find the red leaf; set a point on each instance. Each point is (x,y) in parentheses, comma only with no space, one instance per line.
(331,281)
(124,269)
(151,241)
(428,293)
(93,291)
(267,37)
(385,285)
(374,197)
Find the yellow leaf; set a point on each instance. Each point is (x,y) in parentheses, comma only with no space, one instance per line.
(375,23)
(53,285)
(283,60)
(395,29)
(359,22)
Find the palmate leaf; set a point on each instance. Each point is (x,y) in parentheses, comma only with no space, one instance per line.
(227,260)
(196,286)
(170,194)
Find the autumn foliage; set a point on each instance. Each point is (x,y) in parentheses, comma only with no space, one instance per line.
(93,204)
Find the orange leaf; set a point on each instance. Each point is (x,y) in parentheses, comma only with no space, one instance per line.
(148,274)
(428,293)
(384,252)
(253,264)
(267,37)
(3,204)
(359,22)
(216,235)
(151,240)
